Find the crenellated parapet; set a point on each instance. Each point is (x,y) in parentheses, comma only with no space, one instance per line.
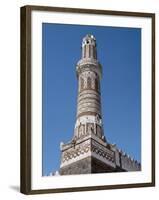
(124,161)
(128,163)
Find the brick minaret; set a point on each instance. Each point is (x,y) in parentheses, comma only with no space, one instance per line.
(88,151)
(89,72)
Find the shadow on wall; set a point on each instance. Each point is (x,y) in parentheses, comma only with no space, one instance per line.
(15,188)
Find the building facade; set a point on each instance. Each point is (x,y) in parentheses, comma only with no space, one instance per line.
(88,151)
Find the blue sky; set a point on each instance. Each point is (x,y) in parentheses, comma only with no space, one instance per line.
(119,52)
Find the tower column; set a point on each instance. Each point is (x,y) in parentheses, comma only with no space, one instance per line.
(89,73)
(87,152)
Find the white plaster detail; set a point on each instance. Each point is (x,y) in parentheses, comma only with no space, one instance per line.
(82,156)
(76,153)
(86,119)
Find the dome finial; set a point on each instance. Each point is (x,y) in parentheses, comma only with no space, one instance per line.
(89,39)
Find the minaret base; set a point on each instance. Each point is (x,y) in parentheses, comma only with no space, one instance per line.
(87,155)
(92,155)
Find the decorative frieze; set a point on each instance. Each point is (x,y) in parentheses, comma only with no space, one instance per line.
(88,119)
(76,153)
(85,149)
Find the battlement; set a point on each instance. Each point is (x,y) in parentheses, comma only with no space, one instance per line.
(125,161)
(129,163)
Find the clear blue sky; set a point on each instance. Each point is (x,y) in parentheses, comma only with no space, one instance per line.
(119,53)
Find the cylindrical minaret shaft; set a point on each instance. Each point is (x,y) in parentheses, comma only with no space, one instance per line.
(89,117)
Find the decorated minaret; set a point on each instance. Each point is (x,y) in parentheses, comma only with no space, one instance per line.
(88,151)
(89,73)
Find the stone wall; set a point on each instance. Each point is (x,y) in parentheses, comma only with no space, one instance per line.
(79,167)
(86,166)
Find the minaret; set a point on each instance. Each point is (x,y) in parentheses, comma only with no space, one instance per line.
(89,73)
(88,151)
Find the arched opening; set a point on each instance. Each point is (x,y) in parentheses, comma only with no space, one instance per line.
(96,84)
(89,83)
(81,84)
